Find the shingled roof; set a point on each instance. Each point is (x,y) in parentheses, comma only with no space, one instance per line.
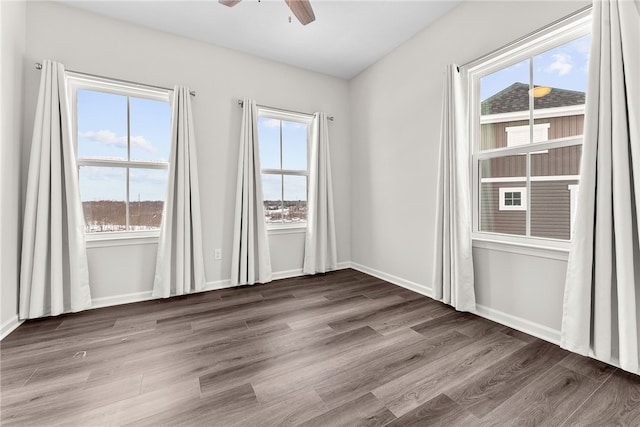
(516,98)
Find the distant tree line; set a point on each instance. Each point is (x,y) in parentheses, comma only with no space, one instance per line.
(110,215)
(289,210)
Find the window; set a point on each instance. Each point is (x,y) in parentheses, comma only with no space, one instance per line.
(122,136)
(284,140)
(519,135)
(527,125)
(513,198)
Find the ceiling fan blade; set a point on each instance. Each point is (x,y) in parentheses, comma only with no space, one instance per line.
(229,3)
(302,9)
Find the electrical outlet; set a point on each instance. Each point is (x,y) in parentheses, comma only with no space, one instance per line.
(217,254)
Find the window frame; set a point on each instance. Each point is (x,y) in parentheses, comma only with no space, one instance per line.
(554,35)
(78,81)
(307,119)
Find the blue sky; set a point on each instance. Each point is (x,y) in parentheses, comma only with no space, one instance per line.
(564,67)
(102,133)
(294,157)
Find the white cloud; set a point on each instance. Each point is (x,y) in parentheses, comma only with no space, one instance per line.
(562,64)
(108,137)
(143,144)
(294,125)
(271,123)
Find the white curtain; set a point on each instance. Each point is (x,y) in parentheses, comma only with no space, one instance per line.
(453,264)
(250,258)
(320,253)
(602,292)
(54,275)
(180,262)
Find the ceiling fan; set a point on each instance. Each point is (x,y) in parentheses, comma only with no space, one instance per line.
(300,8)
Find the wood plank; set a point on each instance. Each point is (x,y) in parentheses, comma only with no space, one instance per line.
(296,355)
(378,319)
(590,368)
(439,411)
(272,388)
(487,390)
(615,403)
(366,410)
(548,400)
(294,409)
(220,408)
(423,384)
(335,390)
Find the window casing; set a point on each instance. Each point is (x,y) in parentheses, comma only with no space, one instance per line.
(121,134)
(519,148)
(283,139)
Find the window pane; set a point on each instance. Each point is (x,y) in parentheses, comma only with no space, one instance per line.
(102,125)
(504,99)
(554,185)
(295,198)
(272,194)
(496,174)
(560,84)
(103,193)
(147,192)
(269,141)
(150,129)
(294,146)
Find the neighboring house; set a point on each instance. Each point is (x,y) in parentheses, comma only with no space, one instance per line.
(504,122)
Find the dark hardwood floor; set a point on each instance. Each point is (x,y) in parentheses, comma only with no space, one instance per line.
(341,349)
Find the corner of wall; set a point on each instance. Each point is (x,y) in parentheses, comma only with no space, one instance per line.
(12,52)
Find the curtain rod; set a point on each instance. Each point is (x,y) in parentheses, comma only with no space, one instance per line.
(564,18)
(241,103)
(191,92)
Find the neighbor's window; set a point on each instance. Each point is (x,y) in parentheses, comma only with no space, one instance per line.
(122,139)
(284,141)
(527,127)
(513,198)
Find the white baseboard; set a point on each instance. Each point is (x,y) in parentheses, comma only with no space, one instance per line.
(523,325)
(9,326)
(298,271)
(121,299)
(218,284)
(407,284)
(147,295)
(287,274)
(344,265)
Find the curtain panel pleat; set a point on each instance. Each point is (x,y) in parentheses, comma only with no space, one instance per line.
(320,254)
(601,314)
(250,257)
(453,278)
(54,273)
(180,258)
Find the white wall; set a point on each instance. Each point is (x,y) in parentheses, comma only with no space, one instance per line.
(12,48)
(395,114)
(99,45)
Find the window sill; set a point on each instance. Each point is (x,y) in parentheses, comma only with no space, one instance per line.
(103,240)
(542,248)
(286,229)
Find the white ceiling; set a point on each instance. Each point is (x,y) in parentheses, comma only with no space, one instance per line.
(346,38)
